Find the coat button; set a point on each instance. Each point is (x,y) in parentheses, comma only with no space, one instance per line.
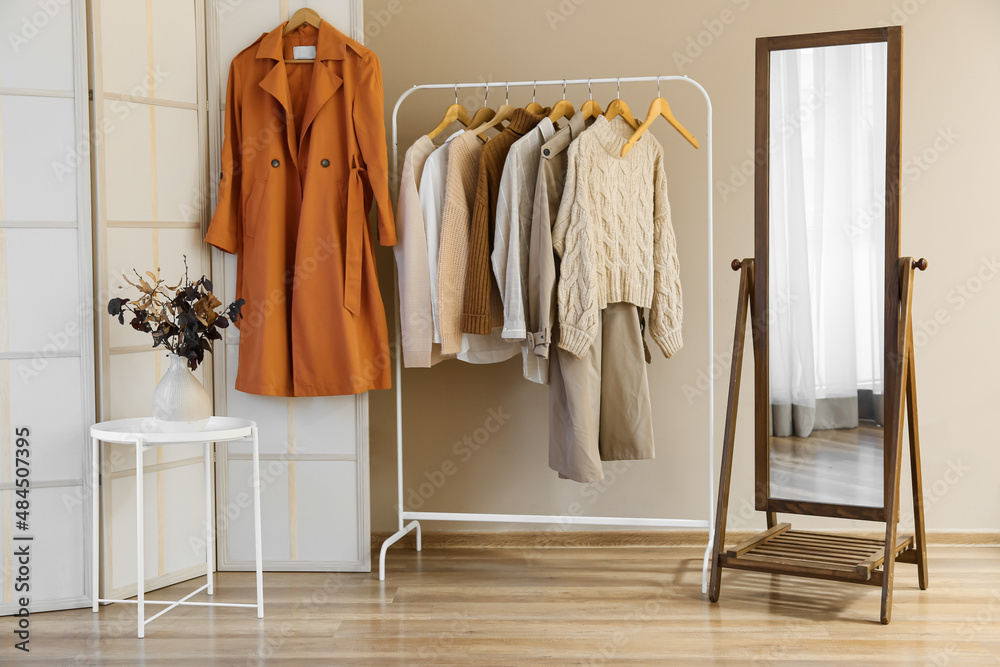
(324,162)
(546,151)
(275,163)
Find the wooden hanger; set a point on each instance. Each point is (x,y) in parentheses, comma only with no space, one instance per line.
(503,114)
(590,108)
(563,108)
(484,113)
(619,108)
(534,107)
(454,112)
(658,108)
(304,16)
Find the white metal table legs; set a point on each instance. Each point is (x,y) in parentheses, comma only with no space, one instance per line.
(95,499)
(140,574)
(208,518)
(209,587)
(256,525)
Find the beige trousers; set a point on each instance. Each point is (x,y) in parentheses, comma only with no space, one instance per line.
(599,407)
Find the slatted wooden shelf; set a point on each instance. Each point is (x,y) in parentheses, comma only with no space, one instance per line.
(819,555)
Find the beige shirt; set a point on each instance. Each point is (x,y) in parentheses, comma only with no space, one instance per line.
(416,324)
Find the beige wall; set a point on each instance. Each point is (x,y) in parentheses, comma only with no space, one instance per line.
(950,143)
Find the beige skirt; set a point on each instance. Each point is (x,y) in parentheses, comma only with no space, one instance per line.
(599,408)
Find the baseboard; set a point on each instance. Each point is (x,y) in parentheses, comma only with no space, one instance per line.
(633,538)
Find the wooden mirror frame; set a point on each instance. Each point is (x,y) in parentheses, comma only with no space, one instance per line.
(893,37)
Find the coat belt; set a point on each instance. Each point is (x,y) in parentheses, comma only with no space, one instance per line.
(357,220)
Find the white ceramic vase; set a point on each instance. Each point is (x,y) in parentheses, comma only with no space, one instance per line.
(180,402)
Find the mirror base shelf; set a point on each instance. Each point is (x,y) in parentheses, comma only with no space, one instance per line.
(849,559)
(818,555)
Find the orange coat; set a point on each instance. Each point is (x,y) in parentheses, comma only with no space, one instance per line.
(303,156)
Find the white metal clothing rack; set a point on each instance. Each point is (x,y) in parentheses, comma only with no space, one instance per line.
(416,517)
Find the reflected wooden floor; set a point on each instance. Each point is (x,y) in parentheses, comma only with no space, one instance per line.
(833,466)
(638,605)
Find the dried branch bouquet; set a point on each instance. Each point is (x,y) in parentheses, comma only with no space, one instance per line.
(182,318)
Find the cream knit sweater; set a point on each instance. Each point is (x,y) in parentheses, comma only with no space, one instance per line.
(614,236)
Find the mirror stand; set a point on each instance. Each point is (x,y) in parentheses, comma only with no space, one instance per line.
(851,559)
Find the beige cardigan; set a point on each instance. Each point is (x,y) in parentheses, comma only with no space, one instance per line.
(453,255)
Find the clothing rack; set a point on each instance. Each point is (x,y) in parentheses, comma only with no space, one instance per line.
(416,517)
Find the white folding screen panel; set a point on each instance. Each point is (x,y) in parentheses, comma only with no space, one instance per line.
(313,451)
(46,303)
(150,161)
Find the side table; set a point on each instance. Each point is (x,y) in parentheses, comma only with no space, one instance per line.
(147,432)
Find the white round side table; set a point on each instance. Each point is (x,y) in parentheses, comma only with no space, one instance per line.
(145,432)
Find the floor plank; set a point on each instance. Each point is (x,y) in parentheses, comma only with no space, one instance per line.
(636,605)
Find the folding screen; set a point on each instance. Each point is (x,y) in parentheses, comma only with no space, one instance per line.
(150,160)
(46,305)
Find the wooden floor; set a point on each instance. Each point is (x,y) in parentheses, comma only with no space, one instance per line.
(842,465)
(498,606)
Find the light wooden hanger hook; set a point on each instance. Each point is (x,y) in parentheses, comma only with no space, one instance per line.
(534,87)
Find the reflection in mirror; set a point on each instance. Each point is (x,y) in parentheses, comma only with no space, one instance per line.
(826,273)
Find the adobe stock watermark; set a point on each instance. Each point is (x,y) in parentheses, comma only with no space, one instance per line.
(381,18)
(958,297)
(120,111)
(464,450)
(912,169)
(31,25)
(742,173)
(562,12)
(722,361)
(590,493)
(712,29)
(901,13)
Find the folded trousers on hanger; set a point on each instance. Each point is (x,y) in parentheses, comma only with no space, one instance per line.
(599,407)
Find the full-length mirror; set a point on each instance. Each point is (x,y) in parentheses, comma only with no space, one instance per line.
(825,231)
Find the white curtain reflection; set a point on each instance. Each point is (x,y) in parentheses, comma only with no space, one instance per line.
(827,229)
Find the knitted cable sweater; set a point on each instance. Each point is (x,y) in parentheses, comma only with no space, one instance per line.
(614,236)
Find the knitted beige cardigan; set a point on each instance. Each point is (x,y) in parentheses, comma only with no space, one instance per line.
(615,238)
(453,256)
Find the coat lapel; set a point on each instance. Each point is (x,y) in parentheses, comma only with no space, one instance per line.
(325,83)
(276,83)
(330,45)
